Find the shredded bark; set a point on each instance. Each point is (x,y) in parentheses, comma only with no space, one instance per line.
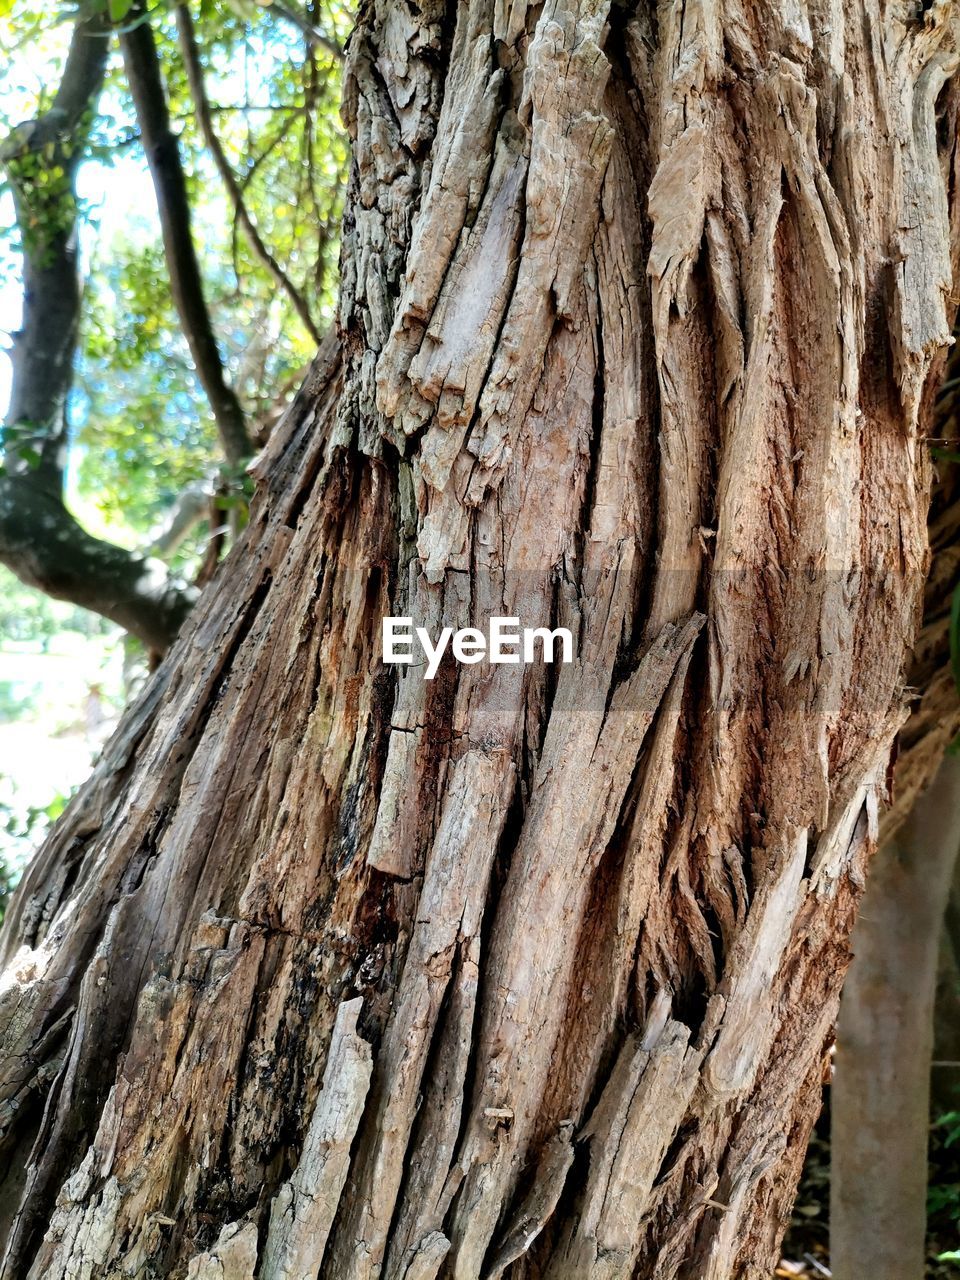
(522,971)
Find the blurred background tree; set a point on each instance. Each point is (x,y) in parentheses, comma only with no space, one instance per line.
(156,324)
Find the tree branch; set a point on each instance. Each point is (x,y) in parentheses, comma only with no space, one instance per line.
(191,59)
(39,540)
(163,156)
(315,36)
(46,548)
(41,158)
(181,519)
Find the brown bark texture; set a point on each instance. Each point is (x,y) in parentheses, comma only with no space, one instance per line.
(528,970)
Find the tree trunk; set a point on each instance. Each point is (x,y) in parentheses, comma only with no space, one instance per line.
(945,1074)
(880,1100)
(523,971)
(901,994)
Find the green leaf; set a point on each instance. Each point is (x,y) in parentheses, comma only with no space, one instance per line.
(229,502)
(118,9)
(32,457)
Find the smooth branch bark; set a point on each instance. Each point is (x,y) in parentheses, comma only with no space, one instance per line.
(880,1100)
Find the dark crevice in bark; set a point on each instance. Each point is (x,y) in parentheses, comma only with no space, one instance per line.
(586,513)
(347,835)
(300,499)
(542,685)
(377,960)
(628,110)
(246,619)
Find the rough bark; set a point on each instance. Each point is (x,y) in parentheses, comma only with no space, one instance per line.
(639,316)
(880,1099)
(900,998)
(935,712)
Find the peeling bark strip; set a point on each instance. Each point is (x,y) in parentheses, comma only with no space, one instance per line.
(522,971)
(304,1208)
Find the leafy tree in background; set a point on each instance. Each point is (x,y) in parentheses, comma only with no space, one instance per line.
(152,387)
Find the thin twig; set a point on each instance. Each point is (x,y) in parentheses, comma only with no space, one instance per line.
(191,58)
(315,36)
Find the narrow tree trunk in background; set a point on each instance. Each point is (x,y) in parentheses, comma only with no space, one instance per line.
(524,971)
(162,149)
(945,1076)
(880,1099)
